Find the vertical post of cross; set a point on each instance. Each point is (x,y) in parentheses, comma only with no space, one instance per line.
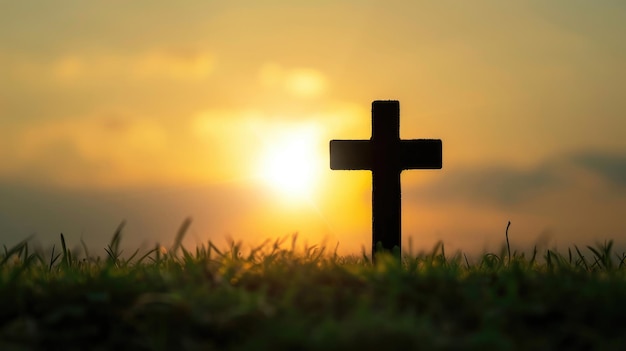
(386,198)
(386,155)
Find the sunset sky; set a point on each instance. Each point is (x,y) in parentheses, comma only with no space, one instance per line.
(153,111)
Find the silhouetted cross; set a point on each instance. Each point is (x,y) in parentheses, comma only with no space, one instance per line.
(386,155)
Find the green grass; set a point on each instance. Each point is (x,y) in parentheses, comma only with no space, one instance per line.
(284,296)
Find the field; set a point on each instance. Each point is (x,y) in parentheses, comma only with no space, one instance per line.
(284,296)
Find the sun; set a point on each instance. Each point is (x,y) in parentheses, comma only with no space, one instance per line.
(290,161)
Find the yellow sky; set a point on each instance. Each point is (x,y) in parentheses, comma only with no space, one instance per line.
(152,111)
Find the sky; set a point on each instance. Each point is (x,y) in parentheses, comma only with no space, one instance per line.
(155,111)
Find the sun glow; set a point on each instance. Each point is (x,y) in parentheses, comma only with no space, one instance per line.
(291,163)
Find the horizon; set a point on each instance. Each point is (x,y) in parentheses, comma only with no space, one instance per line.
(153,112)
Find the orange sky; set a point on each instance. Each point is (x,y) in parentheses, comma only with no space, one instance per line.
(152,111)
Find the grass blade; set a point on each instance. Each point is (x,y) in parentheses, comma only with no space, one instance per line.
(82,242)
(113,249)
(508,245)
(582,258)
(17,249)
(53,258)
(180,235)
(65,260)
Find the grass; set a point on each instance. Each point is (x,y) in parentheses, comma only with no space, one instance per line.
(282,296)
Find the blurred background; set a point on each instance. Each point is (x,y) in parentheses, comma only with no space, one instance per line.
(153,111)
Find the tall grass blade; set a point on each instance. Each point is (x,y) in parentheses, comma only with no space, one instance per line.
(621,259)
(157,259)
(65,260)
(534,257)
(145,256)
(596,263)
(508,245)
(364,255)
(26,251)
(187,256)
(294,238)
(443,254)
(178,241)
(117,238)
(113,249)
(569,255)
(82,242)
(133,255)
(53,258)
(14,250)
(254,251)
(214,248)
(582,258)
(600,257)
(606,256)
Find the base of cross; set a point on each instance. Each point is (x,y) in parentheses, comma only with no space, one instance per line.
(378,249)
(386,155)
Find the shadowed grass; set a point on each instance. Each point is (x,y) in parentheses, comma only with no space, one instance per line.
(280,295)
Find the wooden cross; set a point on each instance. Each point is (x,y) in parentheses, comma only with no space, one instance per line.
(386,155)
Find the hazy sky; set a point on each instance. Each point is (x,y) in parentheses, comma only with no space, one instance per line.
(152,111)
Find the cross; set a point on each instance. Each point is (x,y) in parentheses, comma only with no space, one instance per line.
(386,155)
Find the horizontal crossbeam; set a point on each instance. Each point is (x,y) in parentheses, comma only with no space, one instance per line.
(361,154)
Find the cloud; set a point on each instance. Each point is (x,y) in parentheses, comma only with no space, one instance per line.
(498,186)
(118,147)
(610,167)
(300,82)
(181,64)
(87,151)
(153,213)
(172,64)
(508,186)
